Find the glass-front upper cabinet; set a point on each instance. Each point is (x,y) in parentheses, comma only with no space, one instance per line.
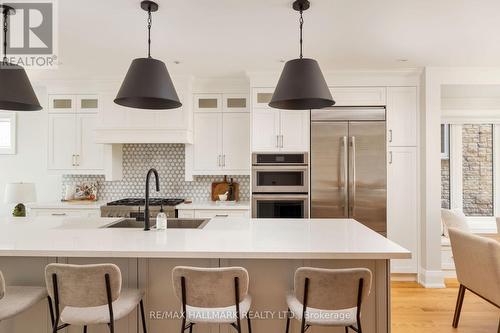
(207,102)
(262,97)
(62,103)
(87,103)
(235,103)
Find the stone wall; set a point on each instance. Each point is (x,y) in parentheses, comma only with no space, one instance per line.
(477,170)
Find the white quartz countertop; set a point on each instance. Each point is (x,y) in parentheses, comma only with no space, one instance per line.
(220,238)
(239,205)
(67,205)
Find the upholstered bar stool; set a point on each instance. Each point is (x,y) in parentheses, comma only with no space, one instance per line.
(329,297)
(212,295)
(88,295)
(17,299)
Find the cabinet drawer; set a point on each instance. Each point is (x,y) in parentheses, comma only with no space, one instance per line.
(185,213)
(65,212)
(212,213)
(359,96)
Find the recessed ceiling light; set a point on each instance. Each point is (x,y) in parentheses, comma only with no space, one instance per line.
(177,62)
(282,60)
(402,60)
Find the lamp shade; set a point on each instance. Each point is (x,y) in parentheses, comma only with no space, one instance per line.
(16,92)
(148,85)
(301,87)
(20,193)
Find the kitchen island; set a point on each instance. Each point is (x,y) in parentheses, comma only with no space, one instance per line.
(270,249)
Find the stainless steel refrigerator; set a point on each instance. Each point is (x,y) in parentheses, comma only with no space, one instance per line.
(348,165)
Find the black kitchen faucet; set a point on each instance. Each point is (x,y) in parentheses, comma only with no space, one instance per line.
(146,205)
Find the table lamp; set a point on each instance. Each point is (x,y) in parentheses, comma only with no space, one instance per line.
(20,193)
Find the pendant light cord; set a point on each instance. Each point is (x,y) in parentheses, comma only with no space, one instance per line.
(150,21)
(301,22)
(5,29)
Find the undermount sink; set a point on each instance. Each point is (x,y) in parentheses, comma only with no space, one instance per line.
(171,224)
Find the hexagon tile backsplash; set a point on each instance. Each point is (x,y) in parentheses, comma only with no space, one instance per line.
(168,159)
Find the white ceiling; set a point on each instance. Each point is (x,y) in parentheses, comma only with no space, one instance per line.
(228,37)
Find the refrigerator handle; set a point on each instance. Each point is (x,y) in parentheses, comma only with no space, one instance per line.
(345,175)
(353,162)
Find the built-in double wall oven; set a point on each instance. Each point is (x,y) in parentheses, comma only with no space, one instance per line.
(280,185)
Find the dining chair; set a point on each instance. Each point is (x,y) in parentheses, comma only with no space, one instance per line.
(477,263)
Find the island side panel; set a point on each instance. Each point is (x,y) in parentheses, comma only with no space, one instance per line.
(163,309)
(26,271)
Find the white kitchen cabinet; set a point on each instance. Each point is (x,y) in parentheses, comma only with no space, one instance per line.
(62,148)
(402,205)
(265,130)
(65,212)
(219,213)
(280,130)
(294,126)
(90,156)
(71,143)
(212,213)
(359,96)
(221,143)
(236,141)
(402,116)
(207,141)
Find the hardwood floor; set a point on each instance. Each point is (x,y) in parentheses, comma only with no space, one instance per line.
(419,310)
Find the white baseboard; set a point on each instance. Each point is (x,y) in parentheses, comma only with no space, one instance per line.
(404,277)
(431,279)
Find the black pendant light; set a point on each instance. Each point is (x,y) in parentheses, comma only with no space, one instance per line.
(16,92)
(301,85)
(147,84)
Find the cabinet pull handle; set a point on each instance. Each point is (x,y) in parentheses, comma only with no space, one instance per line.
(58,214)
(390,135)
(277,141)
(218,160)
(77,160)
(224,160)
(390,157)
(281,141)
(73,160)
(222,215)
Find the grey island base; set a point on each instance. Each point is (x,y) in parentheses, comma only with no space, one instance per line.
(271,250)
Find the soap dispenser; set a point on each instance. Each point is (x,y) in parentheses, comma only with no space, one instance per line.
(161,220)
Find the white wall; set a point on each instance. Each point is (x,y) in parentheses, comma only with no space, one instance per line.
(29,164)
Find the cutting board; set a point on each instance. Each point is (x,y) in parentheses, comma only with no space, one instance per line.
(222,187)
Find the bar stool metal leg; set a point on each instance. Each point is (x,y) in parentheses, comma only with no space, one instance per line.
(287,320)
(143,317)
(249,324)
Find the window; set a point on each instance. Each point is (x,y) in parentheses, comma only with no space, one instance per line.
(445,141)
(469,172)
(7,132)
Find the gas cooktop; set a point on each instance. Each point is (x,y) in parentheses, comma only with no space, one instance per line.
(141,202)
